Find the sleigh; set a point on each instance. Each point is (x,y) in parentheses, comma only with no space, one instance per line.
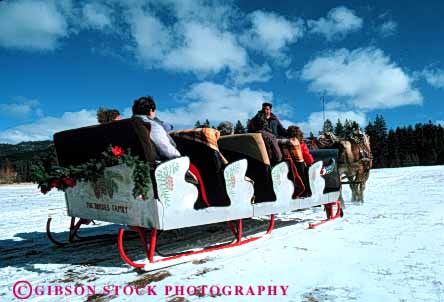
(232,180)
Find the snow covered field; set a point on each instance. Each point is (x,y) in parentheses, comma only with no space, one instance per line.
(390,248)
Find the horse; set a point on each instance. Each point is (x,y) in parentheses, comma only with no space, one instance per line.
(354,162)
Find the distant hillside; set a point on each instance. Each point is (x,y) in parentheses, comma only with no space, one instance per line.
(16,160)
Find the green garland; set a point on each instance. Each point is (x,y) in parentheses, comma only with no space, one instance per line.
(63,178)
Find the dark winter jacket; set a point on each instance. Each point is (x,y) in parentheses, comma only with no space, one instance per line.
(274,125)
(273,150)
(259,124)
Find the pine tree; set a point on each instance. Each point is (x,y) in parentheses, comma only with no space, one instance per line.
(197,124)
(328,126)
(339,129)
(347,129)
(440,145)
(354,126)
(380,126)
(411,146)
(239,128)
(248,125)
(393,145)
(206,124)
(379,142)
(369,130)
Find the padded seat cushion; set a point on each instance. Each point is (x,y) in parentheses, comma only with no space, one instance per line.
(206,136)
(201,146)
(250,144)
(77,146)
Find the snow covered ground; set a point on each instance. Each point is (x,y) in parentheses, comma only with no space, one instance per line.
(390,248)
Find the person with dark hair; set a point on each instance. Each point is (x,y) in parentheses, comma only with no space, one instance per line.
(164,125)
(260,124)
(292,152)
(272,120)
(308,158)
(105,115)
(225,128)
(293,134)
(145,109)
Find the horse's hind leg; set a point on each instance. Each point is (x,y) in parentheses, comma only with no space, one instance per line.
(363,183)
(361,191)
(354,188)
(360,180)
(341,198)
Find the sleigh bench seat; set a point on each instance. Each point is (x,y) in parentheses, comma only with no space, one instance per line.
(273,188)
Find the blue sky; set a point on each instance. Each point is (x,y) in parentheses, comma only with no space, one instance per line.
(61,60)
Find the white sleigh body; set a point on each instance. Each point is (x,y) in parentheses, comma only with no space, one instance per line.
(111,198)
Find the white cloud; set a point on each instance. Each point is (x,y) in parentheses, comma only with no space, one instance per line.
(206,50)
(188,46)
(363,78)
(127,112)
(21,108)
(153,39)
(283,109)
(271,34)
(315,120)
(31,25)
(96,15)
(216,103)
(214,13)
(252,73)
(388,28)
(434,77)
(201,39)
(44,128)
(292,74)
(287,123)
(339,22)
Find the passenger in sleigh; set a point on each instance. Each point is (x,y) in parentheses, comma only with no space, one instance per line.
(272,121)
(105,115)
(292,153)
(299,158)
(308,158)
(259,124)
(145,109)
(225,128)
